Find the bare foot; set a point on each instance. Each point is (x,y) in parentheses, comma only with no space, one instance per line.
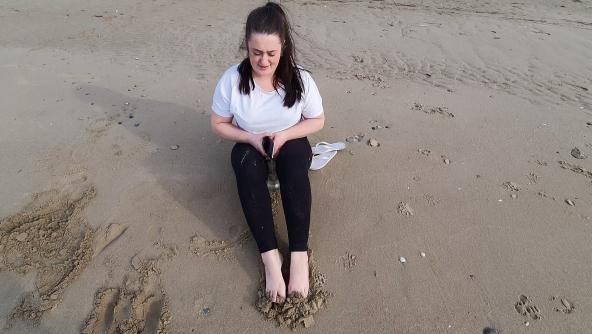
(275,287)
(298,274)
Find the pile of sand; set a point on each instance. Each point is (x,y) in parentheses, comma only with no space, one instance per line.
(51,237)
(296,311)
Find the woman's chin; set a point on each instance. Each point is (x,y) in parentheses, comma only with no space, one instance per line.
(263,71)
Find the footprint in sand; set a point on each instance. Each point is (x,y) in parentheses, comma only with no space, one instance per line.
(222,249)
(432,110)
(576,169)
(405,209)
(533,178)
(348,261)
(139,305)
(511,186)
(525,308)
(563,305)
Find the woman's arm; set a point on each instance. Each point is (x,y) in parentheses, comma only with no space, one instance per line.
(302,129)
(223,127)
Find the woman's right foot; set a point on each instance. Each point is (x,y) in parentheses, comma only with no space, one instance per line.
(275,287)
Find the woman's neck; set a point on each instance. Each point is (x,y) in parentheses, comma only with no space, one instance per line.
(265,82)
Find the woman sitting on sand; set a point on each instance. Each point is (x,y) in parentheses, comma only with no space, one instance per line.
(268,95)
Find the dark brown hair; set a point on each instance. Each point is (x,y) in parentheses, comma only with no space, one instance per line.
(272,19)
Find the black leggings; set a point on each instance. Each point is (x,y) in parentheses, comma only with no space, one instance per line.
(292,163)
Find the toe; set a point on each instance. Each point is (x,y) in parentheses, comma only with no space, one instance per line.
(274,296)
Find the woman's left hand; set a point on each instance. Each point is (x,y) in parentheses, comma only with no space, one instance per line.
(279,139)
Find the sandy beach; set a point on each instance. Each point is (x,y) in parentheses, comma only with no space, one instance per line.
(472,208)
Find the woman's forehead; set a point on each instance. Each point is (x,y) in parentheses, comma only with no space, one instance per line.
(265,42)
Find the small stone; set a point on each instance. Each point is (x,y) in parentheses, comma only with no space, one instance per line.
(373,142)
(422,254)
(22,236)
(513,195)
(174,147)
(576,153)
(402,259)
(205,311)
(570,202)
(53,296)
(447,161)
(136,125)
(527,324)
(589,123)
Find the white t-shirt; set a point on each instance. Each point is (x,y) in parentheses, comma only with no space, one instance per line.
(262,111)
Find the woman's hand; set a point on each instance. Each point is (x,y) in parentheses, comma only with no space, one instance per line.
(256,140)
(279,139)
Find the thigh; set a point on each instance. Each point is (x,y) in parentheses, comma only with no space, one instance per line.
(295,154)
(246,160)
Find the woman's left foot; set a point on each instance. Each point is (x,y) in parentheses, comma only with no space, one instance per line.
(299,284)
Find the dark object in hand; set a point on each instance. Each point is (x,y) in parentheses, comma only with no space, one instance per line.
(273,184)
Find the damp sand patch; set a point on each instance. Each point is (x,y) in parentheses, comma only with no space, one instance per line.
(139,305)
(296,311)
(51,237)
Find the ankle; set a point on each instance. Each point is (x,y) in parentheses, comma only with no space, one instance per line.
(271,258)
(299,256)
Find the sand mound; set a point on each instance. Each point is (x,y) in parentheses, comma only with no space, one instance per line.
(295,311)
(51,237)
(138,306)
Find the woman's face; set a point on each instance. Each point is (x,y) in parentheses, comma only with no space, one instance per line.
(264,53)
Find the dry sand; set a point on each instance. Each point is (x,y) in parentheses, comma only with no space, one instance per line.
(463,200)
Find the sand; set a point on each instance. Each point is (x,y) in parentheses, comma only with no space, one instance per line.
(469,133)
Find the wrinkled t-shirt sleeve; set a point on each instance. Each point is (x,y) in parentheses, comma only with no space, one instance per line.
(221,100)
(313,103)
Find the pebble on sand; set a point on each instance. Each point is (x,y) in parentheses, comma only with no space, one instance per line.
(174,147)
(570,202)
(373,142)
(402,259)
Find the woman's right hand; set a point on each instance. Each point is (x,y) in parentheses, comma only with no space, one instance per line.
(256,140)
